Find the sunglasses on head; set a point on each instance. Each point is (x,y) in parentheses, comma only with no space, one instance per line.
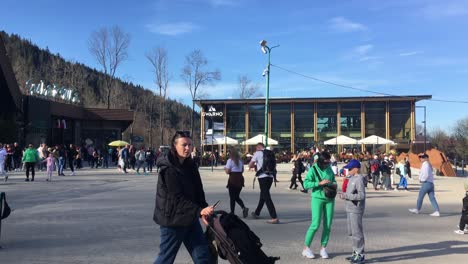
(183,133)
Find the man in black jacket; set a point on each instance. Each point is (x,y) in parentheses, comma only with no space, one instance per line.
(180,202)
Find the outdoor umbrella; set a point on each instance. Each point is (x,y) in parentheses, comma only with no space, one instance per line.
(118,143)
(219,140)
(259,138)
(371,140)
(341,140)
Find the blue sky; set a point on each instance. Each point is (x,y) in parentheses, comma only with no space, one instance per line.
(400,47)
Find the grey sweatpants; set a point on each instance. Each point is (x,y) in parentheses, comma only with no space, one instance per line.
(356,232)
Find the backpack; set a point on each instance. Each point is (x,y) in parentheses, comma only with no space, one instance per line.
(247,243)
(374,168)
(269,162)
(6,210)
(301,167)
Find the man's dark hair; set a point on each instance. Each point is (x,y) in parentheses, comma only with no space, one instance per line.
(261,144)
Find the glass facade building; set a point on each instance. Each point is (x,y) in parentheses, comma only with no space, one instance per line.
(299,123)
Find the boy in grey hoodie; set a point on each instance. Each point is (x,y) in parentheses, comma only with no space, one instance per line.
(355,204)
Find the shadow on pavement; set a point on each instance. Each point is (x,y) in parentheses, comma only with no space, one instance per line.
(424,251)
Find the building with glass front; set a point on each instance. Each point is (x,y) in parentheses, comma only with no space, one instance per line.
(300,123)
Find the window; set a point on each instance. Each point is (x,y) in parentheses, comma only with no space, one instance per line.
(303,126)
(281,125)
(400,120)
(350,120)
(326,121)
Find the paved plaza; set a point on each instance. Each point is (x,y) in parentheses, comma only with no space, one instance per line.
(102,216)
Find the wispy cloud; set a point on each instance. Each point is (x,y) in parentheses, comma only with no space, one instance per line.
(342,24)
(172,29)
(370,58)
(363,49)
(441,9)
(411,53)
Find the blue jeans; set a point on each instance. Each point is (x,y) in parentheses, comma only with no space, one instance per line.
(427,188)
(61,162)
(193,239)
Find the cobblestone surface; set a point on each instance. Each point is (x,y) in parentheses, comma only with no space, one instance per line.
(102,216)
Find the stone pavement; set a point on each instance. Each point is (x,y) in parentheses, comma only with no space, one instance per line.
(102,216)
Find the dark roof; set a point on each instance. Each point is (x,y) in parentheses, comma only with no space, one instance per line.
(109,114)
(318,99)
(9,75)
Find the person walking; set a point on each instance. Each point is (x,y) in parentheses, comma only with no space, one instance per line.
(265,180)
(140,157)
(298,169)
(375,171)
(402,173)
(71,155)
(150,159)
(355,203)
(61,160)
(17,155)
(3,155)
(180,202)
(426,178)
(235,167)
(50,162)
(464,214)
(319,176)
(30,158)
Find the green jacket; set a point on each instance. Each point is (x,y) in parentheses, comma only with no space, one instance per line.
(312,182)
(31,155)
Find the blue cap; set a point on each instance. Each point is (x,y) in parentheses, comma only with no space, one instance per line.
(353,164)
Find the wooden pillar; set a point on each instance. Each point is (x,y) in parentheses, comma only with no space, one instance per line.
(338,126)
(202,126)
(225,127)
(387,125)
(363,123)
(413,121)
(315,123)
(246,147)
(293,147)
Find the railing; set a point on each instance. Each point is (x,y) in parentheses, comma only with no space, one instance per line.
(458,164)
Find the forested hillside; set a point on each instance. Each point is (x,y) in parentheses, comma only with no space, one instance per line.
(30,62)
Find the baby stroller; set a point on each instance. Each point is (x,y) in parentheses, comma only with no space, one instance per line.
(231,239)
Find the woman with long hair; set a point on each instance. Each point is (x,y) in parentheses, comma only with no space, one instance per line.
(180,203)
(235,167)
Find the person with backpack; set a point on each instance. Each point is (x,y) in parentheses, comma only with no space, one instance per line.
(180,203)
(298,169)
(375,171)
(30,157)
(3,155)
(234,168)
(321,180)
(386,174)
(265,162)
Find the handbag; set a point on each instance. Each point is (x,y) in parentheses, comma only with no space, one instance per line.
(328,190)
(5,209)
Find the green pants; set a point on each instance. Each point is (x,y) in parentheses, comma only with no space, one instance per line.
(320,207)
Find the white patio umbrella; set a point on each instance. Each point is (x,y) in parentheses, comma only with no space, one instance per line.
(341,140)
(259,138)
(375,140)
(219,140)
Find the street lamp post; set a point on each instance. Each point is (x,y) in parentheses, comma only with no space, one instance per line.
(267,50)
(424,122)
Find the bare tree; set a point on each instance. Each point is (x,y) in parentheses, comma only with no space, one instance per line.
(158,59)
(196,76)
(109,47)
(247,89)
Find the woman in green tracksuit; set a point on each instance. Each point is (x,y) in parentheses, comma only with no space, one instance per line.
(320,204)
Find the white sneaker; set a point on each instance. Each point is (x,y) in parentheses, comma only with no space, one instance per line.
(308,253)
(323,253)
(460,232)
(436,213)
(414,211)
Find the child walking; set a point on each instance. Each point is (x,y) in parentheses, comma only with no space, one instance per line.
(464,217)
(50,166)
(355,204)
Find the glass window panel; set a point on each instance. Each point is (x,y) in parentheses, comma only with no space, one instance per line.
(326,121)
(256,119)
(216,117)
(303,126)
(350,120)
(235,121)
(281,125)
(375,119)
(400,120)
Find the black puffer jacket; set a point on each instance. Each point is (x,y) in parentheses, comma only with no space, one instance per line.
(179,194)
